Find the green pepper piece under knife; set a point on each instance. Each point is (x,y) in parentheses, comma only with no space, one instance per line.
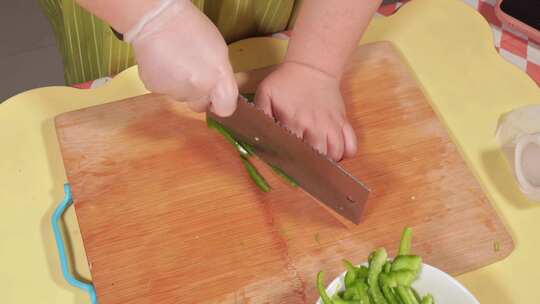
(223,131)
(255,175)
(284,175)
(245,151)
(338,300)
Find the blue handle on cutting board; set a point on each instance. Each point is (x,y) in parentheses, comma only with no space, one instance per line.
(62,249)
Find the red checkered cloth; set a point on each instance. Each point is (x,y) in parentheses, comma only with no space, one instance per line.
(92,84)
(513,46)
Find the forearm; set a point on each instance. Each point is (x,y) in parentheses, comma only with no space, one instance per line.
(122,15)
(327,32)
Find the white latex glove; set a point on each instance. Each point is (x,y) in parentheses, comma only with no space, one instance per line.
(180,53)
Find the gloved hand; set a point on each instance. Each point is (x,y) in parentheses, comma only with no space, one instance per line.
(309,103)
(182,54)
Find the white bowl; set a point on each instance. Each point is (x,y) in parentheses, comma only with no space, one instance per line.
(444,288)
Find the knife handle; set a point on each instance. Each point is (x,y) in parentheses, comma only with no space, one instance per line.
(248,81)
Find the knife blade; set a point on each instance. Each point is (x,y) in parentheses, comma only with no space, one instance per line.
(322,178)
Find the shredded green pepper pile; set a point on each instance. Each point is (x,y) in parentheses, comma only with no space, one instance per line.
(383,281)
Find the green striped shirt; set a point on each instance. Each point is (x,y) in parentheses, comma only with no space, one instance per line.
(90,50)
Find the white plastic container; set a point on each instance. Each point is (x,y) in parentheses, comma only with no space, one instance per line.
(518,134)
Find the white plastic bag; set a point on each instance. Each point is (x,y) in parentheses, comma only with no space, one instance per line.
(518,134)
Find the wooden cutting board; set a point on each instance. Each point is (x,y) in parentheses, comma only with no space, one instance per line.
(168,215)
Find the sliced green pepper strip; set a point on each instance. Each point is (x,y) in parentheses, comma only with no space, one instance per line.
(411,296)
(403,277)
(370,257)
(389,295)
(416,295)
(246,150)
(427,299)
(405,243)
(386,279)
(255,175)
(407,262)
(395,278)
(362,273)
(350,278)
(349,294)
(362,292)
(348,265)
(387,267)
(338,300)
(223,131)
(378,258)
(322,291)
(284,175)
(404,295)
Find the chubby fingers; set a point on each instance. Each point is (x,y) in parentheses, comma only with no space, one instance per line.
(224,96)
(335,142)
(350,141)
(263,101)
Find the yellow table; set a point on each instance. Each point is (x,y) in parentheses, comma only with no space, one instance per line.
(448,46)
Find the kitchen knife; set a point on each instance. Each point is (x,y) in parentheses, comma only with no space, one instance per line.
(322,178)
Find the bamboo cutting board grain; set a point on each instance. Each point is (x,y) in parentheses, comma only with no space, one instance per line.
(168,215)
